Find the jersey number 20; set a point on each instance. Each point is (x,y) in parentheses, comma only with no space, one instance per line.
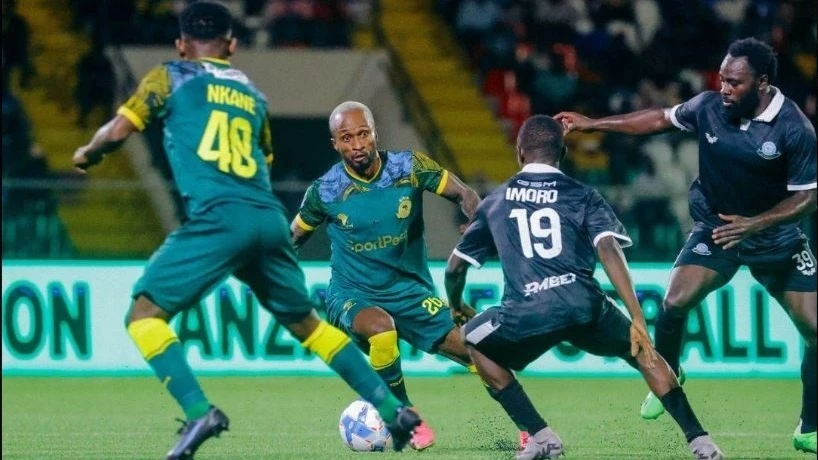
(227,141)
(532,227)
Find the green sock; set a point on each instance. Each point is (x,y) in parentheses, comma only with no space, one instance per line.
(393,376)
(175,373)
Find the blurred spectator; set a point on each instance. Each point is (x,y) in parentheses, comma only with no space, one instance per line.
(96,84)
(475,19)
(16,50)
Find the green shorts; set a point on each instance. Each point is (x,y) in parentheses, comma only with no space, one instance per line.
(421,318)
(250,242)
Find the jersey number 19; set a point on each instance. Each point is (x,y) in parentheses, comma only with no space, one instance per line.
(227,141)
(531,227)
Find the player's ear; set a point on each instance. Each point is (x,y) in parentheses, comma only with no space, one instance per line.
(764,83)
(231,46)
(180,47)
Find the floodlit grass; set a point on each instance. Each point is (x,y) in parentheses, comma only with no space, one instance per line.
(297,418)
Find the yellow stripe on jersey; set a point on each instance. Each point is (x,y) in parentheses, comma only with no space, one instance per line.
(444,179)
(304,226)
(149,98)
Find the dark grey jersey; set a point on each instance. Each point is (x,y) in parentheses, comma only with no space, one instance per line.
(747,168)
(544,226)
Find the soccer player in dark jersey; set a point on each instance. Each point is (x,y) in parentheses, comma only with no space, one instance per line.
(381,288)
(217,137)
(547,229)
(757,181)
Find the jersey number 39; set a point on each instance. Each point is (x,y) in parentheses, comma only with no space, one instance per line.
(228,142)
(531,227)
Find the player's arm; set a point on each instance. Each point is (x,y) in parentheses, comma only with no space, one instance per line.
(456,191)
(434,178)
(646,121)
(475,246)
(616,267)
(794,208)
(309,217)
(266,142)
(107,139)
(455,282)
(136,113)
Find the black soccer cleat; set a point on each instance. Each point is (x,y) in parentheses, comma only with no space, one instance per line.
(403,427)
(194,432)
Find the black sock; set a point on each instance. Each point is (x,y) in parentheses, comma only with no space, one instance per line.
(676,404)
(519,407)
(809,405)
(670,328)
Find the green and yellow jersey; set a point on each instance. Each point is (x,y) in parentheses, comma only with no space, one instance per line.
(376,226)
(216,131)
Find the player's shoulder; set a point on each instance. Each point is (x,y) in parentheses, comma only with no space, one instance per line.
(398,160)
(330,185)
(795,118)
(706,99)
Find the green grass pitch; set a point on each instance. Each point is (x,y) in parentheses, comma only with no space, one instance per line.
(297,418)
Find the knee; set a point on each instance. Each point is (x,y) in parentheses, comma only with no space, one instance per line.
(372,321)
(676,301)
(143,308)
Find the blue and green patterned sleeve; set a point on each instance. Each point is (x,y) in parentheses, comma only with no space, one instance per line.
(149,99)
(312,212)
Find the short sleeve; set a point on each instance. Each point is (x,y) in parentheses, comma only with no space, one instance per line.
(601,221)
(801,158)
(149,99)
(476,245)
(684,115)
(428,174)
(312,212)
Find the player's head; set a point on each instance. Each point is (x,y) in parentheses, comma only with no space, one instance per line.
(206,30)
(540,140)
(353,135)
(746,74)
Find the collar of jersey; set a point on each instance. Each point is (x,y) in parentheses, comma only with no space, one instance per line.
(540,168)
(773,108)
(214,60)
(361,179)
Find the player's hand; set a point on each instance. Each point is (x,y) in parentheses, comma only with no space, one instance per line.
(462,313)
(737,229)
(82,161)
(572,121)
(640,340)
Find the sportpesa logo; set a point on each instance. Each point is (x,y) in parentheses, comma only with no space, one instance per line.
(382,242)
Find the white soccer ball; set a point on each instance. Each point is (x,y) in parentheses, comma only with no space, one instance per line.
(362,428)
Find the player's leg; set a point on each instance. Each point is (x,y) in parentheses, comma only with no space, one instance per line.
(702,267)
(495,356)
(792,283)
(609,335)
(279,284)
(374,326)
(193,259)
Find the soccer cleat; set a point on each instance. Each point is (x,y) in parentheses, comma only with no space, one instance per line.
(705,449)
(194,432)
(403,427)
(524,438)
(652,406)
(805,442)
(543,445)
(422,437)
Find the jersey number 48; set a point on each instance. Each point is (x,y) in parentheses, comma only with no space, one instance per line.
(227,141)
(531,227)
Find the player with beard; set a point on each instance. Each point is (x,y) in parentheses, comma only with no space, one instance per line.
(381,288)
(757,181)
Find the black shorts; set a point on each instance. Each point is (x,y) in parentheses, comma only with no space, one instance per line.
(790,270)
(608,334)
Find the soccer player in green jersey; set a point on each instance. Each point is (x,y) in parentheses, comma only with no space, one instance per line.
(381,288)
(217,138)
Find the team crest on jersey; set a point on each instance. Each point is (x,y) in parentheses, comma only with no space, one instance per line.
(344,220)
(768,151)
(701,249)
(404,208)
